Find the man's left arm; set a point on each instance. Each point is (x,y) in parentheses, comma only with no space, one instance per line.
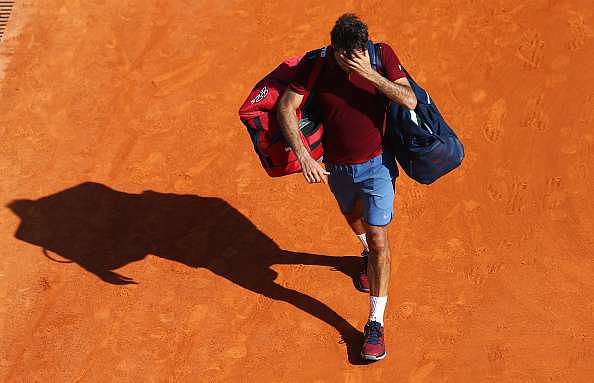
(398,91)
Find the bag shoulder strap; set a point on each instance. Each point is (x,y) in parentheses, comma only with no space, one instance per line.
(374,57)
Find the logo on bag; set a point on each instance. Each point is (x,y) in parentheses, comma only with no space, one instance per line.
(323,52)
(263,93)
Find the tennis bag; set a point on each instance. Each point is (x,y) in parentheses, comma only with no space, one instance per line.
(258,114)
(425,146)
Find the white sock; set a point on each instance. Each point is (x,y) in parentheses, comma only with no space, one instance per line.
(363,239)
(377,305)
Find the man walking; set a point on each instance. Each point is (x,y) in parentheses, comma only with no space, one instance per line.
(360,172)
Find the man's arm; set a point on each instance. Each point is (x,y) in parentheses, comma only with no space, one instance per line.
(398,91)
(287,118)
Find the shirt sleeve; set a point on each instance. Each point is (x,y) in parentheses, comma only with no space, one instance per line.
(303,70)
(392,67)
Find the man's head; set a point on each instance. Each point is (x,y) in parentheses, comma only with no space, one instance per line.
(349,34)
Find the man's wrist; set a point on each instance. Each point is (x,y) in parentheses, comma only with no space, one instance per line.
(302,155)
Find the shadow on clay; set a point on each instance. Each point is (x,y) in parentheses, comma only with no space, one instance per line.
(102,229)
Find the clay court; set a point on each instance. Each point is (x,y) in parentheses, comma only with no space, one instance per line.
(143,242)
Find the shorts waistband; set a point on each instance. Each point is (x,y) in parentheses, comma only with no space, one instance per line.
(371,162)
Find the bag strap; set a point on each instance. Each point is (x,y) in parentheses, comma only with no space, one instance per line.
(377,65)
(374,57)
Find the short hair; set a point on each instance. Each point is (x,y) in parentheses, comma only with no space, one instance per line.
(349,33)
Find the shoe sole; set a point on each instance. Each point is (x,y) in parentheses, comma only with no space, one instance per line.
(361,289)
(373,357)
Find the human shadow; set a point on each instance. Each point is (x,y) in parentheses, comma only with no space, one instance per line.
(102,229)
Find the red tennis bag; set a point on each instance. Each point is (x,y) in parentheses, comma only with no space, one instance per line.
(258,114)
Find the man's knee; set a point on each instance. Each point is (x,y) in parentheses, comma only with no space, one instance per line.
(377,239)
(378,248)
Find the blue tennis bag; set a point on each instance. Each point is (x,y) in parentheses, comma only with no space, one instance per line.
(425,146)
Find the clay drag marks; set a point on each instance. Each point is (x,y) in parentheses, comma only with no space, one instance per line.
(142,241)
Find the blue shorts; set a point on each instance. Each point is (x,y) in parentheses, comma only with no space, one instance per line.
(372,181)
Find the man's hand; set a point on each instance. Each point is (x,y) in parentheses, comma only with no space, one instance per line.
(358,62)
(287,118)
(398,91)
(313,171)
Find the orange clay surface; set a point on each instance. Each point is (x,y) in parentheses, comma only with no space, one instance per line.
(142,242)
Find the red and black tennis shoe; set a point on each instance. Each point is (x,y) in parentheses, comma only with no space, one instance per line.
(373,344)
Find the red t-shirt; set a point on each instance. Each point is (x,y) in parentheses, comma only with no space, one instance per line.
(352,111)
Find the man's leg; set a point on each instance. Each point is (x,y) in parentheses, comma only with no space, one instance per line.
(378,268)
(379,191)
(378,209)
(378,272)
